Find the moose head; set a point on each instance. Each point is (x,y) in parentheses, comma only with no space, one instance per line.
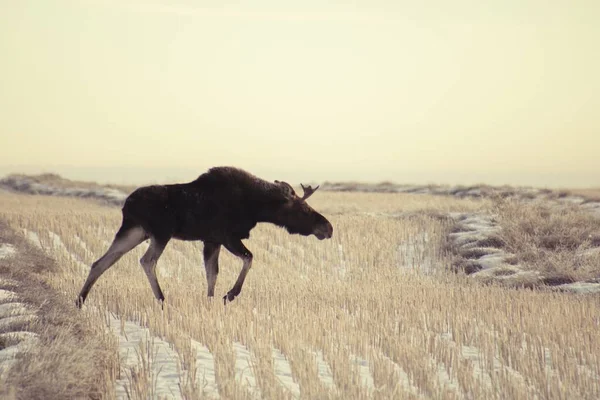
(295,215)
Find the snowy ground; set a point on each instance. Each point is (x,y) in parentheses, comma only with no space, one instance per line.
(476,236)
(13,315)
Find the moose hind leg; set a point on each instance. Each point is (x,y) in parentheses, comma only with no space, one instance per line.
(238,249)
(148,262)
(125,240)
(211,264)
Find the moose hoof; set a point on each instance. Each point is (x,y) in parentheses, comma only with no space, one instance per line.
(229,296)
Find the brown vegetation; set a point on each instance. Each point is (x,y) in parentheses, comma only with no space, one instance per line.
(562,242)
(72,357)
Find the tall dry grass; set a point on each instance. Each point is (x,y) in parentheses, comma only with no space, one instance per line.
(72,357)
(562,242)
(377,291)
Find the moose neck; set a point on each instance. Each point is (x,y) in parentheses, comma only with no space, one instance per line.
(267,213)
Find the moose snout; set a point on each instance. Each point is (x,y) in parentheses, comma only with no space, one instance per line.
(324,231)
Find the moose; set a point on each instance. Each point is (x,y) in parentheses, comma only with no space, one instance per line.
(219,208)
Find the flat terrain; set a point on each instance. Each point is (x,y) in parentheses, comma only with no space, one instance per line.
(375,312)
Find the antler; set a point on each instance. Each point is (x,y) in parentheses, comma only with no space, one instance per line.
(308,191)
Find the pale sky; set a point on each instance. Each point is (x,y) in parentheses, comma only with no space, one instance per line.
(413,92)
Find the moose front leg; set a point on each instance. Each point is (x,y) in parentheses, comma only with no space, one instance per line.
(238,249)
(211,263)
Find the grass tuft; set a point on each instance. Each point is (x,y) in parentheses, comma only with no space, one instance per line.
(554,240)
(72,356)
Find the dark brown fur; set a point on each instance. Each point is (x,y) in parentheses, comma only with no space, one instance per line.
(220,208)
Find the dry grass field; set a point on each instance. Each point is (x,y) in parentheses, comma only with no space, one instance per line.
(371,313)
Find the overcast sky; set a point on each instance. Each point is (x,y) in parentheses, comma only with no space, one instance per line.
(433,91)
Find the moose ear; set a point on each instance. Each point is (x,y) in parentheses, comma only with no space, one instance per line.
(287,188)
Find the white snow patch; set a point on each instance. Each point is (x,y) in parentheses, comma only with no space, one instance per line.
(473,354)
(444,378)
(7,250)
(474,228)
(34,238)
(13,313)
(593,208)
(243,368)
(412,253)
(57,242)
(205,369)
(18,336)
(404,380)
(593,252)
(492,260)
(507,273)
(8,282)
(467,238)
(580,287)
(481,223)
(365,373)
(8,354)
(164,361)
(60,246)
(12,309)
(7,357)
(571,200)
(6,322)
(324,371)
(82,244)
(283,372)
(6,296)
